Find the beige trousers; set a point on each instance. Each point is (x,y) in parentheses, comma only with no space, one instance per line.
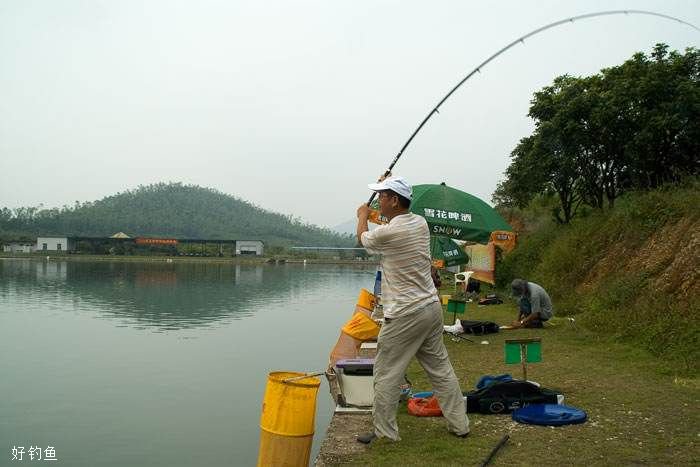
(419,334)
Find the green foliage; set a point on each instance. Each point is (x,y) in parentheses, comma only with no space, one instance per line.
(585,267)
(634,126)
(520,261)
(657,322)
(170,210)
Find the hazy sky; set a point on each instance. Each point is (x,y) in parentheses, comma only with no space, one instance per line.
(292,105)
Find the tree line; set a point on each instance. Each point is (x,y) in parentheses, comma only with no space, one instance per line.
(168,210)
(634,126)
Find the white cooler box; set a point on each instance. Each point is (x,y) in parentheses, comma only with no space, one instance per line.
(356,378)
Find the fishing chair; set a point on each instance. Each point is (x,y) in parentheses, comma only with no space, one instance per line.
(462,278)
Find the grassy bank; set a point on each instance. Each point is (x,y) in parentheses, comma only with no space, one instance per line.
(638,413)
(631,273)
(629,277)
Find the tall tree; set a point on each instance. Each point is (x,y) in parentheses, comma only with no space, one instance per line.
(632,126)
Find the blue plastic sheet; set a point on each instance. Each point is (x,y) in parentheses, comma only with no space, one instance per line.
(549,414)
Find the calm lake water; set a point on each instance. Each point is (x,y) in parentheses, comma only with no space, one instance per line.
(130,364)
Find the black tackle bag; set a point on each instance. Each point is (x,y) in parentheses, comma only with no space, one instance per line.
(506,396)
(491,299)
(479,328)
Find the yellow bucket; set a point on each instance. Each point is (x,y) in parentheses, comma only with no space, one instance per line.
(366,299)
(289,408)
(287,420)
(361,327)
(445,298)
(284,451)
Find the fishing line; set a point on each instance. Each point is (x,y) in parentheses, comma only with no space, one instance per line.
(521,40)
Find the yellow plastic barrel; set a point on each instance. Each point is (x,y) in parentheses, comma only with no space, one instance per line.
(445,298)
(361,327)
(287,420)
(366,299)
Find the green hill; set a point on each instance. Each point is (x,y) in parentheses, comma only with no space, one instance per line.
(630,272)
(172,210)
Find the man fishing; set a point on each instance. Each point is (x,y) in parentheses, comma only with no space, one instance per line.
(413,315)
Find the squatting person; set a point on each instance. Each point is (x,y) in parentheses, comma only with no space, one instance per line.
(534,304)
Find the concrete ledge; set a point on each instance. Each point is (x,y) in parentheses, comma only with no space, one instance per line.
(340,446)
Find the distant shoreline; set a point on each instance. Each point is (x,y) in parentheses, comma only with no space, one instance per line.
(184,259)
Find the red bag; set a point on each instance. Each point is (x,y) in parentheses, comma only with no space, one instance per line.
(424,407)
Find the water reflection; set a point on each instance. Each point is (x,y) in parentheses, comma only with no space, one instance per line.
(163,295)
(88,358)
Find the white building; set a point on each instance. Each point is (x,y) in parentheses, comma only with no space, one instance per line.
(249,247)
(52,244)
(18,247)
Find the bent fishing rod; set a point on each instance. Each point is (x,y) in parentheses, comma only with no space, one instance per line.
(520,40)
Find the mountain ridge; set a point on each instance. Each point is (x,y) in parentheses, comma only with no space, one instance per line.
(169,209)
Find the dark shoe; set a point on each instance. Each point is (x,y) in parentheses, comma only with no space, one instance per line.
(366,438)
(464,435)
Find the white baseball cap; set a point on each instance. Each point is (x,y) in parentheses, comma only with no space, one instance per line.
(398,185)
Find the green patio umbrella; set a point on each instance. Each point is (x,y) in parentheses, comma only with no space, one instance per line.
(456,214)
(448,251)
